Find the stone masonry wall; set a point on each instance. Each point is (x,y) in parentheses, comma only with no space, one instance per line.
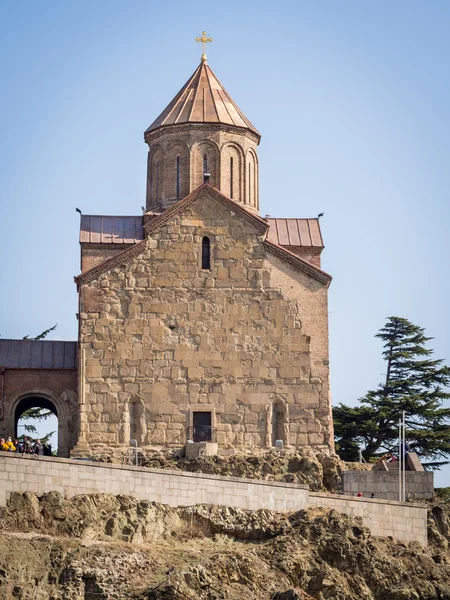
(93,255)
(70,477)
(245,341)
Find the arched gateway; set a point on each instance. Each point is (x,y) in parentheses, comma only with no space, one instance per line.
(39,374)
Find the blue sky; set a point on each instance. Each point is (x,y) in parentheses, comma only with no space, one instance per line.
(351,98)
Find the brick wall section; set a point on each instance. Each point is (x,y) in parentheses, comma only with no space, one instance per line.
(190,143)
(419,484)
(70,477)
(18,381)
(404,521)
(246,340)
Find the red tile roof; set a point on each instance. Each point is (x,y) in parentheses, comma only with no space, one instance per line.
(101,229)
(38,354)
(295,232)
(202,99)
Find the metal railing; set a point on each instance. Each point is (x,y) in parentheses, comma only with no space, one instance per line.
(201,433)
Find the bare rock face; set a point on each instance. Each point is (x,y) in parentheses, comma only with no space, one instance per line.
(90,517)
(439,524)
(321,470)
(102,547)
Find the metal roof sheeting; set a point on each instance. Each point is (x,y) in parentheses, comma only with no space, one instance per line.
(295,232)
(101,229)
(202,99)
(42,354)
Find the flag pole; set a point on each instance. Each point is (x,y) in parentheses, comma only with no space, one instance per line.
(399,460)
(404,458)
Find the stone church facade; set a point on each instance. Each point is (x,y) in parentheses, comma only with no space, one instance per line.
(200,320)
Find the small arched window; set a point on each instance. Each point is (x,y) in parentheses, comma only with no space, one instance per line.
(231,177)
(178,177)
(205,163)
(206,253)
(249,183)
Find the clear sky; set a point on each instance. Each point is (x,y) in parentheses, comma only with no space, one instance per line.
(351,98)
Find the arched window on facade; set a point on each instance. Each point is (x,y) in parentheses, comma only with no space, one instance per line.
(231,177)
(205,163)
(178,177)
(157,181)
(249,183)
(206,253)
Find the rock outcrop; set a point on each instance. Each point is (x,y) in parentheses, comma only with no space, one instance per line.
(101,547)
(321,470)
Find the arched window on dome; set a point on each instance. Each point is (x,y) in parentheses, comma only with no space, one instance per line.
(178,177)
(231,177)
(206,254)
(205,163)
(157,181)
(249,183)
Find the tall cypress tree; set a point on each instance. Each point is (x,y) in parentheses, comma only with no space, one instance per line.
(414,383)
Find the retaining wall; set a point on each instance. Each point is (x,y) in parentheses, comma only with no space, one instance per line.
(384,484)
(71,477)
(407,522)
(175,488)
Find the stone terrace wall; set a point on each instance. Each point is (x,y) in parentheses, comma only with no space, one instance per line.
(404,521)
(71,477)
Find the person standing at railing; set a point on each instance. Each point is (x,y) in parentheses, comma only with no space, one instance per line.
(38,448)
(26,446)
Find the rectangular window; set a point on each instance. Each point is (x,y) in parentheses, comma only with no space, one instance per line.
(202,430)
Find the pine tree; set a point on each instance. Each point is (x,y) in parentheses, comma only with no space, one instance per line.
(414,383)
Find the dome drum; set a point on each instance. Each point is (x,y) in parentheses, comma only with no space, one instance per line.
(179,156)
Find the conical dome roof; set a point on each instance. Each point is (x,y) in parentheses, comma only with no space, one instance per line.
(202,99)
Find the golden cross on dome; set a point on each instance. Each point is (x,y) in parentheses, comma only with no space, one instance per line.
(204,39)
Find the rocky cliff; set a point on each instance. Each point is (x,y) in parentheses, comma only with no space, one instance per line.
(101,547)
(320,470)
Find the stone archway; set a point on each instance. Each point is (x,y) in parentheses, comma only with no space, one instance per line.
(58,407)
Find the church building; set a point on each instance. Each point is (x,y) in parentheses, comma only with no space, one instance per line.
(199,320)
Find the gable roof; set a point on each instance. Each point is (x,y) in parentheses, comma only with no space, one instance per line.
(161,219)
(202,99)
(259,223)
(213,192)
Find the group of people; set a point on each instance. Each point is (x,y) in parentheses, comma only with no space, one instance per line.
(25,446)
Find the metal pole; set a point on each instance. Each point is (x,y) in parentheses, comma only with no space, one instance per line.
(399,460)
(404,458)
